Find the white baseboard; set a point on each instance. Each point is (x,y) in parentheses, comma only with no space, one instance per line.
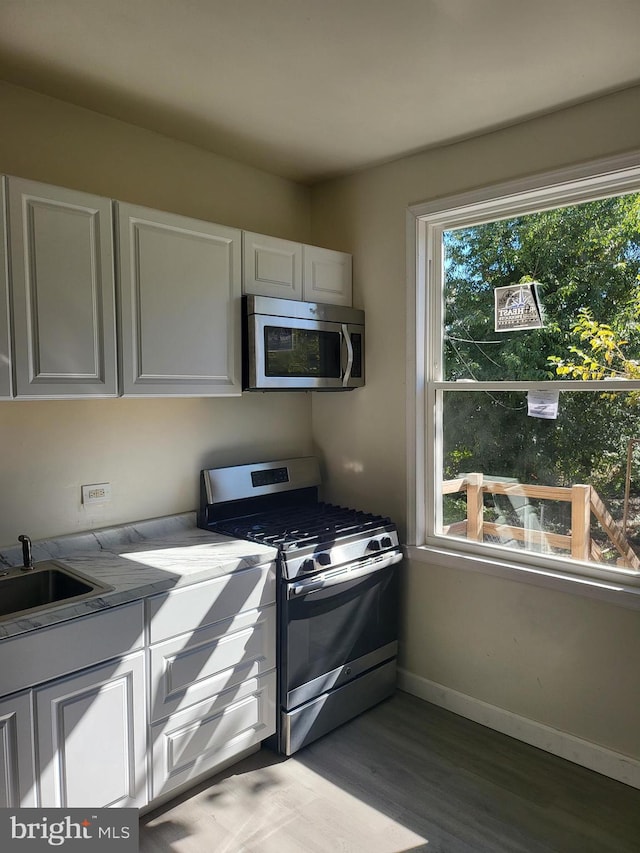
(590,755)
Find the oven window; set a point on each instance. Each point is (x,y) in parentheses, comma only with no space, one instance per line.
(302,352)
(328,628)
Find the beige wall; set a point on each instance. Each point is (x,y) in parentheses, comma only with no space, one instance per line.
(554,658)
(562,660)
(150,451)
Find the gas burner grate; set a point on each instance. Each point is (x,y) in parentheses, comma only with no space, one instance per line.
(290,529)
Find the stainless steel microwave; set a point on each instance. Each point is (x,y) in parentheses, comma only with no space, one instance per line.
(301,346)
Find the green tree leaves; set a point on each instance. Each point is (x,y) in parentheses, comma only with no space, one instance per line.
(587,259)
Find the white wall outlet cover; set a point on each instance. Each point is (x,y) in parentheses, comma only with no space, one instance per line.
(96,493)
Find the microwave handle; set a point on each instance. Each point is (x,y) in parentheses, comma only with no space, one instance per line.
(349,367)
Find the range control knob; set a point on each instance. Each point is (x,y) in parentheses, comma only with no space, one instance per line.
(308,565)
(323,559)
(373,545)
(386,542)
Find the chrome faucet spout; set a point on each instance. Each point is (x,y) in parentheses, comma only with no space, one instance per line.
(27,558)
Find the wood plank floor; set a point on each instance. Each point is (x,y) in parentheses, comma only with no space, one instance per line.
(405,776)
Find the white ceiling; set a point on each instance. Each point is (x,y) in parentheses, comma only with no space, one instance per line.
(314,88)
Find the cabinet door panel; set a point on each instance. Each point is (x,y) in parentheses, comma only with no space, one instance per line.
(327,276)
(206,736)
(180,287)
(17,781)
(91,737)
(62,284)
(5,343)
(271,266)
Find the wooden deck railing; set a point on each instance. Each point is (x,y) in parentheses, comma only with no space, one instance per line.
(584,501)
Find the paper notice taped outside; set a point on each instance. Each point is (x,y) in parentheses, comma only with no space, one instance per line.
(543,404)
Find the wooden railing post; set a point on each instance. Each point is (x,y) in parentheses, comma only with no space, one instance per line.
(614,531)
(475,507)
(581,522)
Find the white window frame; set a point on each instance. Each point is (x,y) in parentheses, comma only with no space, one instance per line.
(425,226)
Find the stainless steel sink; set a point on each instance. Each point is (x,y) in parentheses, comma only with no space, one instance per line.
(47,585)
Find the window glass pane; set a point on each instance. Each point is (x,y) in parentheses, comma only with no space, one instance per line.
(578,265)
(512,479)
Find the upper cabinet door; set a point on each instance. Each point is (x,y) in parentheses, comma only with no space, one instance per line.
(63,291)
(271,267)
(180,285)
(327,276)
(5,344)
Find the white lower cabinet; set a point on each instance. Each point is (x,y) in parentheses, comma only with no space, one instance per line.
(17,778)
(73,712)
(92,716)
(213,687)
(91,737)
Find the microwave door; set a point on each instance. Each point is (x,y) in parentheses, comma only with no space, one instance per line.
(295,353)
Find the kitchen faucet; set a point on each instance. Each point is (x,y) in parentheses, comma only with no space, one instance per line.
(27,558)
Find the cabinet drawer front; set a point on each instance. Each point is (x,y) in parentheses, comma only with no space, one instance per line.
(192,607)
(208,735)
(48,653)
(188,670)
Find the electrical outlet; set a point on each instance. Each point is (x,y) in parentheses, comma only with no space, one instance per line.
(96,493)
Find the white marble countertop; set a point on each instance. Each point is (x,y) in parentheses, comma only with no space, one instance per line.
(137,560)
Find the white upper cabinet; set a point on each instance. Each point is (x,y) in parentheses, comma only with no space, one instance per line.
(271,267)
(327,276)
(5,343)
(174,282)
(274,267)
(180,283)
(62,291)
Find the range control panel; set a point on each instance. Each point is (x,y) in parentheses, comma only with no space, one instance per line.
(262,478)
(269,477)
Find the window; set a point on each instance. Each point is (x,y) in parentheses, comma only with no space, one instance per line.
(526,368)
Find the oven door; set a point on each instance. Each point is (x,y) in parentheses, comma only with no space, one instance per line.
(336,626)
(303,354)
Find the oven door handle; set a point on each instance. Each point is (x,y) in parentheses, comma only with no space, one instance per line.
(347,339)
(348,573)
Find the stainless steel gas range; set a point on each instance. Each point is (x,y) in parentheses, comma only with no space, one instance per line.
(337,591)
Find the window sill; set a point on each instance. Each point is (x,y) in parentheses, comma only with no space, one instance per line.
(611,591)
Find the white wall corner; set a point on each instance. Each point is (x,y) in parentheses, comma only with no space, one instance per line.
(616,766)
